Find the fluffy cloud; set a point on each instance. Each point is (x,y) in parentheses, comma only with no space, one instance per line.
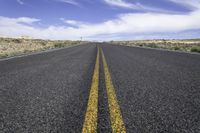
(132,23)
(74,22)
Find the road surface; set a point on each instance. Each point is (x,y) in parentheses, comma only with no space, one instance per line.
(101,88)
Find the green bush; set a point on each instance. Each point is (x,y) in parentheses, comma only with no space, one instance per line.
(176,48)
(195,49)
(59,45)
(153,45)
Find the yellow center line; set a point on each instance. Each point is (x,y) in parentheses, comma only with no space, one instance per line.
(90,123)
(115,113)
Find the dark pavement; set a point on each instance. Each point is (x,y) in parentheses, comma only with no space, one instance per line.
(46,92)
(157,91)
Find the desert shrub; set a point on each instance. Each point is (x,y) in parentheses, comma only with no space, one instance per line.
(3,55)
(43,43)
(6,40)
(26,51)
(195,49)
(17,40)
(75,42)
(176,48)
(59,45)
(152,45)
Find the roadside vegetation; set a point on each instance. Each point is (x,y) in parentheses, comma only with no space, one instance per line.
(192,45)
(13,46)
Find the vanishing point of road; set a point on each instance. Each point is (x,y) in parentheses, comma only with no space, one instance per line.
(101,88)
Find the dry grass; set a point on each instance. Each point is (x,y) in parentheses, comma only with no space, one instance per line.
(192,45)
(11,47)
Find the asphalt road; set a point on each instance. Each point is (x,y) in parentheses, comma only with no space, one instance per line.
(157,91)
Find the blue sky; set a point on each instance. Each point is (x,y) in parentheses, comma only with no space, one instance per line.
(100,19)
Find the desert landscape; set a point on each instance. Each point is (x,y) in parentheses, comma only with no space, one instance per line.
(191,45)
(17,46)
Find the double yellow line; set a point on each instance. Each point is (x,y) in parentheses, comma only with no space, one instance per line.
(90,123)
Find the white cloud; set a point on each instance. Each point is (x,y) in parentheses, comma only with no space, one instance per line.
(135,6)
(74,22)
(120,3)
(20,2)
(13,21)
(26,20)
(188,3)
(132,23)
(72,2)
